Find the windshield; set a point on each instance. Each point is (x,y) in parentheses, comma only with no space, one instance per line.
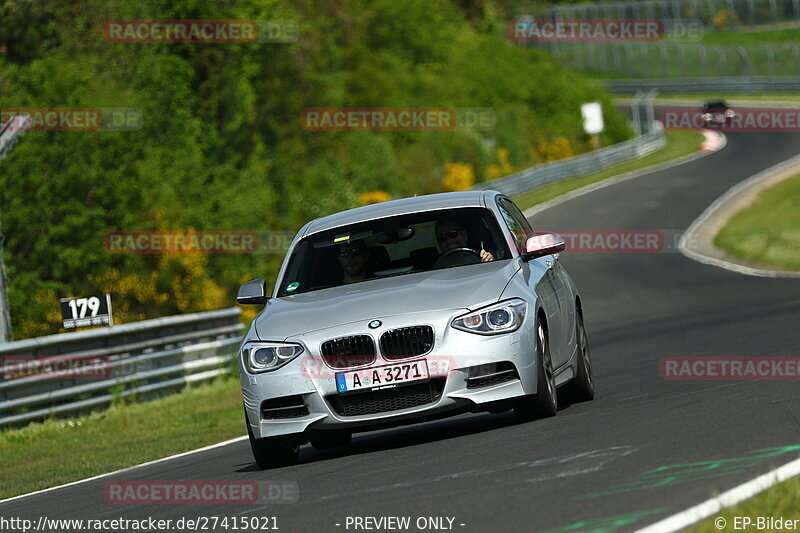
(394,246)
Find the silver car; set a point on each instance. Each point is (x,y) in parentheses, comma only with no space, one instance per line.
(405,311)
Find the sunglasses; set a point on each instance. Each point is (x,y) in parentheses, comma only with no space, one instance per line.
(355,252)
(452,234)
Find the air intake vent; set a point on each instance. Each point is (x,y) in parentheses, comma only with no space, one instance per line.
(407,342)
(283,407)
(491,374)
(383,401)
(344,352)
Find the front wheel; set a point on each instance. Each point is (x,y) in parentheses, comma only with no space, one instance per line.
(544,403)
(272,453)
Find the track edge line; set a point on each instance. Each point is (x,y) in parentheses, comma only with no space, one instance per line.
(586,189)
(690,235)
(729,498)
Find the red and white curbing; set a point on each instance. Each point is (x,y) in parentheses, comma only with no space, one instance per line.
(713,141)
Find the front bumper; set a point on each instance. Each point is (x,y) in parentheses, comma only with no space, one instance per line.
(467,371)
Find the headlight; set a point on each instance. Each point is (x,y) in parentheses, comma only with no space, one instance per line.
(706,116)
(266,356)
(498,318)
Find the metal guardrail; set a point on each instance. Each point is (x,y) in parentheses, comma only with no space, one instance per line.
(137,359)
(666,59)
(705,85)
(576,166)
(11,131)
(722,14)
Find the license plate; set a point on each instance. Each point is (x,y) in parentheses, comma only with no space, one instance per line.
(382,377)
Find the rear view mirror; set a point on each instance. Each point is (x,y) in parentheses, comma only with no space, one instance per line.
(395,236)
(254,292)
(543,243)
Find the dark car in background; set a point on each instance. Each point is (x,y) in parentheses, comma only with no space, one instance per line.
(717,113)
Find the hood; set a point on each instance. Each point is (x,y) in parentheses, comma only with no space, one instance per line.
(465,287)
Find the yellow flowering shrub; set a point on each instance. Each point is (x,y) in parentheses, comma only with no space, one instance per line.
(178,284)
(373,197)
(722,18)
(554,150)
(26,329)
(458,177)
(502,167)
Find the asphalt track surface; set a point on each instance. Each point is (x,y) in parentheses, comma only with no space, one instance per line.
(643,449)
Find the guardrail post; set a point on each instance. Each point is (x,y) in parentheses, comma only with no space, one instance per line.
(704,60)
(603,48)
(676,10)
(616,48)
(723,60)
(773,7)
(771,59)
(751,17)
(732,9)
(682,60)
(650,111)
(9,135)
(637,125)
(745,60)
(796,57)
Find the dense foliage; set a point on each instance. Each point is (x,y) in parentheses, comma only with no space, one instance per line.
(222,147)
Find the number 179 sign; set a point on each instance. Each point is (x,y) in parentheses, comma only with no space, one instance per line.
(83,312)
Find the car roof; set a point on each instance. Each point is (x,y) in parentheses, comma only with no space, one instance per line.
(428,202)
(716,103)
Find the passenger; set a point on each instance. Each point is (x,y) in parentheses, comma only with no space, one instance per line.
(353,260)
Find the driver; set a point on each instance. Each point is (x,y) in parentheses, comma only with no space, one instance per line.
(353,260)
(452,235)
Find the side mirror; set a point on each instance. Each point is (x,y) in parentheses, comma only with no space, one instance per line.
(254,292)
(543,243)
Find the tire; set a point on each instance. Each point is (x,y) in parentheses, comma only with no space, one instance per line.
(272,453)
(581,388)
(331,439)
(544,403)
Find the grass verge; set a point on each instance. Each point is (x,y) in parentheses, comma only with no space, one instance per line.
(54,452)
(678,144)
(780,501)
(747,36)
(768,231)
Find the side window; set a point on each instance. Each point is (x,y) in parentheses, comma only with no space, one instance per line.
(516,223)
(518,216)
